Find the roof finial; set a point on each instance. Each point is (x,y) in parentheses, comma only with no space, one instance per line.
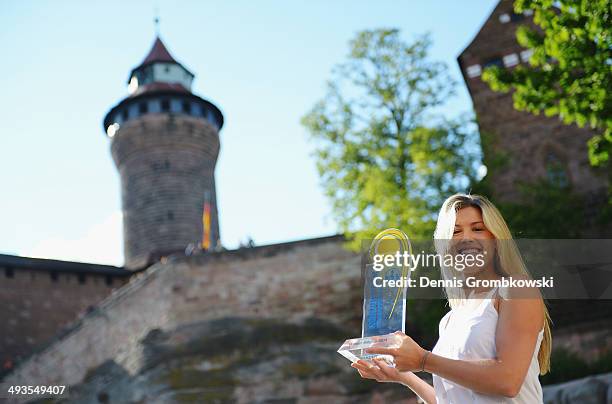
(156,19)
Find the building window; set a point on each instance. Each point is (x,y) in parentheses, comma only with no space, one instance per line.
(526,54)
(9,272)
(514,17)
(81,278)
(556,172)
(160,166)
(125,114)
(143,108)
(165,105)
(54,277)
(511,60)
(473,71)
(494,62)
(507,17)
(109,280)
(170,215)
(186,107)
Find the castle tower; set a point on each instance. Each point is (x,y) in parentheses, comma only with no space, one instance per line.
(519,146)
(165,143)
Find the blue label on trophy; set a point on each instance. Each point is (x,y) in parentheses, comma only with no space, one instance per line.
(384,303)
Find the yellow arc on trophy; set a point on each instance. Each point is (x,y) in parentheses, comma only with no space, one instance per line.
(390,242)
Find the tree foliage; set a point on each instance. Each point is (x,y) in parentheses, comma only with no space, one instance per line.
(384,157)
(570,71)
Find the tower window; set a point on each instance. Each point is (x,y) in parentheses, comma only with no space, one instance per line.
(186,107)
(143,108)
(203,110)
(54,277)
(9,272)
(125,114)
(165,105)
(81,278)
(160,166)
(109,280)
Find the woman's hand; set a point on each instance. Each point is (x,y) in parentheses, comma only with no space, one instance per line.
(407,357)
(379,370)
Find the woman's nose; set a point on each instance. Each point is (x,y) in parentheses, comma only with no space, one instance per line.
(467,235)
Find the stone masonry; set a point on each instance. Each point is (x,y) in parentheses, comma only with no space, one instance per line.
(40,297)
(292,283)
(166,163)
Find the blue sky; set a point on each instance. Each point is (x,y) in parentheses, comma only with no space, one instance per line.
(263,63)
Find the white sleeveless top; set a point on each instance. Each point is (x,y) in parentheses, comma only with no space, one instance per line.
(468,332)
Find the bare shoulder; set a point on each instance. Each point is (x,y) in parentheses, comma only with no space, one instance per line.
(522,286)
(523,307)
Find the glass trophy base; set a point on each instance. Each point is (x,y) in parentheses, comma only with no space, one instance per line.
(355,349)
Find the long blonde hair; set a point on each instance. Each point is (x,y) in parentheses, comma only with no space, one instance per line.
(507,254)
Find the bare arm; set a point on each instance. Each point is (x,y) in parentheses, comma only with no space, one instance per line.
(519,323)
(420,387)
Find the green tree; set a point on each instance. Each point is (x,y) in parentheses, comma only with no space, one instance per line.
(570,71)
(385,158)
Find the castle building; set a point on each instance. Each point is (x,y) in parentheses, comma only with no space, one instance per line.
(519,146)
(165,143)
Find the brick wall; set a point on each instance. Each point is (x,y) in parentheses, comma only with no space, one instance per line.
(525,139)
(37,304)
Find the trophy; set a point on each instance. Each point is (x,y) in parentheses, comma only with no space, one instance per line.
(384,306)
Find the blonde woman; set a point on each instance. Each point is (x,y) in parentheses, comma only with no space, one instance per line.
(492,344)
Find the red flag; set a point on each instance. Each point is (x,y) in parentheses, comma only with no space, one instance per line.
(206,224)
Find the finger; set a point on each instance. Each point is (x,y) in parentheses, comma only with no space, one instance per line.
(365,363)
(376,373)
(385,369)
(365,375)
(364,371)
(360,366)
(382,351)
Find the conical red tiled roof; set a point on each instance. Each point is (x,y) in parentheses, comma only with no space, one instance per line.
(158,53)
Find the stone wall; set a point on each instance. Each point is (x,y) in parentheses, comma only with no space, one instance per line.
(294,283)
(589,390)
(40,297)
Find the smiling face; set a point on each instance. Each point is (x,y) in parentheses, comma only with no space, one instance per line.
(471,237)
